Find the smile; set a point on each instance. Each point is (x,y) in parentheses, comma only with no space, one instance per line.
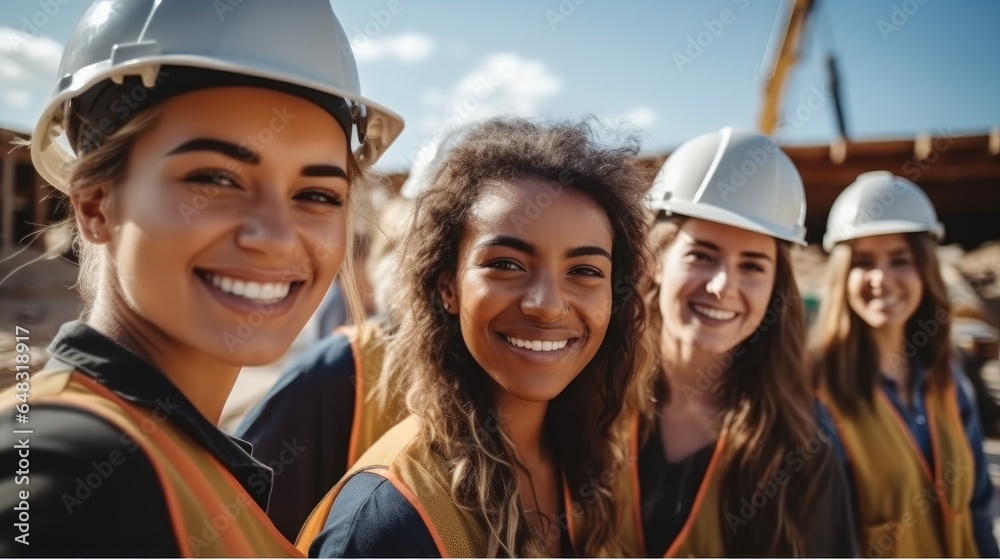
(538,345)
(712,313)
(262,293)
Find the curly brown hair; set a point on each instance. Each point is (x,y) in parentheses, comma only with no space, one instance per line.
(447,387)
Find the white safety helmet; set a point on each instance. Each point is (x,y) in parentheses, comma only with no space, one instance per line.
(121,50)
(737,178)
(880,203)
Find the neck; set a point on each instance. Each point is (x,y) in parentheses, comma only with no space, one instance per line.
(205,381)
(523,423)
(889,343)
(692,375)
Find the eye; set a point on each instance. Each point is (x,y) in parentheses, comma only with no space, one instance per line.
(587,271)
(321,196)
(212,177)
(753,267)
(504,264)
(902,261)
(864,264)
(699,256)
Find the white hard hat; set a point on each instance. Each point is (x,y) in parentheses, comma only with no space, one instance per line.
(296,45)
(737,178)
(880,203)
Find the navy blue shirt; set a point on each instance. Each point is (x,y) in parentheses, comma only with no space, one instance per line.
(371,519)
(93,491)
(302,430)
(916,421)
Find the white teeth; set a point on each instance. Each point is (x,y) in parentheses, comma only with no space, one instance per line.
(260,292)
(717,314)
(538,345)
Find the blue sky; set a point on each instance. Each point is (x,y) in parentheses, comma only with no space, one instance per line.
(674,68)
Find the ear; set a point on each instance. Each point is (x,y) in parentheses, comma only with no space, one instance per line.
(92,207)
(446,289)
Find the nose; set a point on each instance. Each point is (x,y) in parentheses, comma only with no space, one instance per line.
(876,278)
(268,228)
(720,284)
(544,300)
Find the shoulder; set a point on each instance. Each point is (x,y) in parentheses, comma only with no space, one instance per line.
(81,473)
(331,355)
(372,518)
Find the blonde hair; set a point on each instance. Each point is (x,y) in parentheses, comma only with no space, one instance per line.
(845,360)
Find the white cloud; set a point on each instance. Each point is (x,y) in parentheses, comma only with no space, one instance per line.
(408,47)
(28,67)
(502,83)
(641,117)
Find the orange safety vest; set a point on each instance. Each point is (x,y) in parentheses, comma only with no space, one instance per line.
(905,506)
(372,416)
(211,513)
(701,534)
(424,482)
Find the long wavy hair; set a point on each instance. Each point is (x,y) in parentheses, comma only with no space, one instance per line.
(845,360)
(766,403)
(449,390)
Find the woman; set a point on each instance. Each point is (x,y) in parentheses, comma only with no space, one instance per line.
(908,431)
(520,332)
(728,457)
(211,178)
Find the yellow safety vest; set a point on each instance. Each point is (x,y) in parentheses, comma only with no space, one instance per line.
(701,534)
(372,417)
(905,506)
(402,459)
(211,513)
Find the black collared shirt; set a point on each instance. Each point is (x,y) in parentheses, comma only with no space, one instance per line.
(92,491)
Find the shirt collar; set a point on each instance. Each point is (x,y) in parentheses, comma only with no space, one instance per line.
(136,380)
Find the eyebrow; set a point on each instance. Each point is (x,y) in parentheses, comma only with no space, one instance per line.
(750,254)
(227,149)
(323,171)
(529,249)
(243,153)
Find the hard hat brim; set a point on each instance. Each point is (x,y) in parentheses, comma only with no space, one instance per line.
(54,161)
(725,217)
(886,227)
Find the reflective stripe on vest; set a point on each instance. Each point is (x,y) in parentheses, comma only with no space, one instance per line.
(372,417)
(905,506)
(212,515)
(424,482)
(701,534)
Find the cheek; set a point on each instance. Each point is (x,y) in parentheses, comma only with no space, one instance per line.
(326,242)
(855,287)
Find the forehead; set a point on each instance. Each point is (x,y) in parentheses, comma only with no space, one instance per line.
(728,239)
(890,243)
(248,116)
(531,208)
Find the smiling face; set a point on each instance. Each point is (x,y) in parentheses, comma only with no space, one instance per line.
(715,285)
(230,223)
(883,284)
(533,296)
